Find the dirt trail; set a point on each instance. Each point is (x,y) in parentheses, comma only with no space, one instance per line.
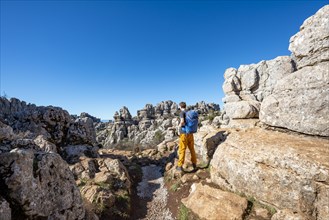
(153,195)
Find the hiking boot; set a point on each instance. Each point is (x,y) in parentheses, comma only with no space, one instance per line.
(194,167)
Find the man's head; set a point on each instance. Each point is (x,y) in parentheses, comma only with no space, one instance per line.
(182,105)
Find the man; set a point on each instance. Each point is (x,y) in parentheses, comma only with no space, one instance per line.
(185,140)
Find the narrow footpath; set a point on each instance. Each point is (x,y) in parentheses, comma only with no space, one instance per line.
(153,195)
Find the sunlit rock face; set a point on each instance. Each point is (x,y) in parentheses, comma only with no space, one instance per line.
(246,87)
(310,45)
(39,185)
(300,101)
(287,171)
(287,92)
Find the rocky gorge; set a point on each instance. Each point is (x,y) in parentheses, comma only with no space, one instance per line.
(264,156)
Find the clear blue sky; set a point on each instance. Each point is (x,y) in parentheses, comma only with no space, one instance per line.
(97,56)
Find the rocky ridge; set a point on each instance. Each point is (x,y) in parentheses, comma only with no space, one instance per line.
(290,91)
(152,125)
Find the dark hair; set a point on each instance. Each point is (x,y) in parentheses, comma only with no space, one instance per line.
(182,104)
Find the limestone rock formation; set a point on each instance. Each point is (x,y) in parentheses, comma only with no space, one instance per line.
(300,101)
(289,92)
(310,45)
(287,171)
(39,185)
(212,204)
(51,128)
(152,125)
(34,179)
(86,115)
(103,182)
(246,87)
(82,130)
(206,141)
(5,210)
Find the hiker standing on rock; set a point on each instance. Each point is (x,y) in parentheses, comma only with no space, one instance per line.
(187,126)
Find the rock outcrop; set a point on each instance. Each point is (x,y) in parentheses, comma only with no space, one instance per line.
(289,92)
(300,101)
(39,185)
(310,45)
(50,128)
(104,183)
(287,171)
(206,141)
(212,204)
(246,87)
(35,180)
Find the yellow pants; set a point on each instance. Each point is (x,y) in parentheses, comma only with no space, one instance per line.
(186,140)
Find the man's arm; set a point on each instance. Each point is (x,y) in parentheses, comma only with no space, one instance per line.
(182,122)
(182,119)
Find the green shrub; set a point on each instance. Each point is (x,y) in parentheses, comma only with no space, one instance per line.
(183,213)
(175,186)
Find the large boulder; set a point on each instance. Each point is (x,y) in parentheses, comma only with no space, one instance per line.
(246,87)
(39,185)
(206,141)
(287,171)
(300,101)
(82,130)
(311,44)
(212,204)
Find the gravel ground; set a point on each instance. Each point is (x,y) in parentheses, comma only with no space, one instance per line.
(152,188)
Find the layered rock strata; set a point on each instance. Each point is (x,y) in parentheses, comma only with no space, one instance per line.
(287,171)
(300,101)
(288,92)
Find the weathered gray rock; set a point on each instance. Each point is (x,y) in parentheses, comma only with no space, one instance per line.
(246,87)
(242,123)
(152,125)
(242,109)
(296,100)
(82,131)
(206,142)
(44,144)
(300,101)
(103,199)
(54,124)
(102,181)
(5,210)
(148,112)
(287,214)
(39,186)
(6,132)
(311,44)
(213,204)
(86,115)
(283,170)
